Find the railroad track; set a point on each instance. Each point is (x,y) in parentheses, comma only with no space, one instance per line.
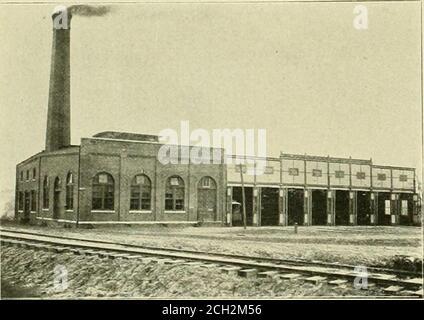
(401,273)
(393,282)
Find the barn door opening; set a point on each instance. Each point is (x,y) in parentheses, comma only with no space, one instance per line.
(342,208)
(364,205)
(295,206)
(406,209)
(384,208)
(237,196)
(269,207)
(319,207)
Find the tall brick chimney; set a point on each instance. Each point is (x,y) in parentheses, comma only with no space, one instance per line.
(58,133)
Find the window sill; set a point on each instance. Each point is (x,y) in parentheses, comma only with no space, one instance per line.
(102,211)
(45,209)
(175,211)
(20,211)
(69,210)
(140,211)
(33,212)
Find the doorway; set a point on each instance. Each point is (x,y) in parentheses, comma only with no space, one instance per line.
(237,196)
(206,199)
(384,209)
(269,207)
(342,208)
(363,200)
(295,199)
(319,207)
(406,213)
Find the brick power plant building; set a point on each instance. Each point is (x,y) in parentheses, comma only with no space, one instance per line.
(116,177)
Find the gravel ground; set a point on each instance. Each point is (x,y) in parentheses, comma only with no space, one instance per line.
(369,246)
(30,273)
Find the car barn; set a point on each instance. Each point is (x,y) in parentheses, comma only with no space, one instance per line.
(314,190)
(117,177)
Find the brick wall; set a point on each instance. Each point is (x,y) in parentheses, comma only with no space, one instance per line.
(123,160)
(50,165)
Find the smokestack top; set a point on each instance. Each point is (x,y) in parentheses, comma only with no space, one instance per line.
(61,9)
(61,17)
(58,133)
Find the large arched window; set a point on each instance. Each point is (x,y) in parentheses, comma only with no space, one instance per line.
(103,192)
(70,191)
(46,191)
(174,194)
(140,193)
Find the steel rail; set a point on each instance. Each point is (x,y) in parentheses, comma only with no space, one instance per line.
(303,262)
(62,244)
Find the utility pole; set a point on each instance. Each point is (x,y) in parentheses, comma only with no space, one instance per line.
(243,196)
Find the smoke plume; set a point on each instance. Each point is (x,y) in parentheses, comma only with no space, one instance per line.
(89,11)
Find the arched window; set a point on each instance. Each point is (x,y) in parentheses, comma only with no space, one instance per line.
(140,193)
(57,184)
(70,191)
(174,194)
(103,192)
(57,203)
(46,191)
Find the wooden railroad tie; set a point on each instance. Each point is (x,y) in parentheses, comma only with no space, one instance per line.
(118,256)
(316,279)
(414,281)
(268,274)
(193,263)
(291,276)
(393,289)
(248,273)
(147,260)
(165,261)
(231,270)
(338,282)
(209,265)
(418,293)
